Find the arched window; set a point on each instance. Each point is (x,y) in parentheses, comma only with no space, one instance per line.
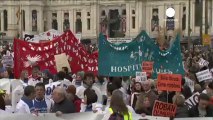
(5,20)
(34,20)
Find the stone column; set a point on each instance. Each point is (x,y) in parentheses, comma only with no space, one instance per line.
(128,19)
(2,20)
(59,19)
(72,20)
(40,21)
(11,30)
(28,14)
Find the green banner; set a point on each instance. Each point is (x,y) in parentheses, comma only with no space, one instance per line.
(126,58)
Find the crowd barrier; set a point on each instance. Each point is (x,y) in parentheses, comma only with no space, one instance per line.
(81,116)
(74,116)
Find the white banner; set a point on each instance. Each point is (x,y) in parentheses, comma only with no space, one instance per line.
(73,116)
(141,76)
(189,83)
(192,101)
(119,40)
(204,75)
(48,35)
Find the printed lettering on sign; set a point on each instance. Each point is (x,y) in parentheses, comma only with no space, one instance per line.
(192,101)
(169,82)
(148,68)
(204,75)
(164,109)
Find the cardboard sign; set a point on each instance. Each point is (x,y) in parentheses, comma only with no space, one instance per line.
(141,76)
(164,109)
(62,61)
(204,75)
(192,101)
(7,61)
(203,62)
(50,87)
(206,39)
(169,82)
(189,83)
(148,68)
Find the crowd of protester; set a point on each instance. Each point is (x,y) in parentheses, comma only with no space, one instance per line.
(115,97)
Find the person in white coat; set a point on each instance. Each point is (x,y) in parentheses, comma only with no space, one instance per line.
(25,105)
(88,81)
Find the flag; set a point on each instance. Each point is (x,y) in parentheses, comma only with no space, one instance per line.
(18,14)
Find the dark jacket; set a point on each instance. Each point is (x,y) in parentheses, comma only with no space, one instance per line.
(182,112)
(193,112)
(64,106)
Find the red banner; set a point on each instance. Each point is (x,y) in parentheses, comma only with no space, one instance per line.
(27,54)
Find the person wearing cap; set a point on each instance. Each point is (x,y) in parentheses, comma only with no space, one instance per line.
(79,79)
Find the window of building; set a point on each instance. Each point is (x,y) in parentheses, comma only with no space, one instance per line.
(34,20)
(133,22)
(54,21)
(78,22)
(23,19)
(154,20)
(124,12)
(66,21)
(88,23)
(133,19)
(5,20)
(198,12)
(184,19)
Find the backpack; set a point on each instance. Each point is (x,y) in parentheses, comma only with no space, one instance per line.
(116,116)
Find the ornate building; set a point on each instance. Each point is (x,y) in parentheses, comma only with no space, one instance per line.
(115,18)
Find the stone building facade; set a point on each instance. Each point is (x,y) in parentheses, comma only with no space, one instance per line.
(115,18)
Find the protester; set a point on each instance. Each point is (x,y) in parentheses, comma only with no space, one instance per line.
(182,110)
(110,88)
(118,108)
(88,81)
(47,76)
(71,90)
(25,105)
(203,109)
(148,96)
(24,77)
(79,79)
(197,88)
(162,96)
(61,103)
(42,104)
(90,98)
(35,77)
(137,90)
(68,75)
